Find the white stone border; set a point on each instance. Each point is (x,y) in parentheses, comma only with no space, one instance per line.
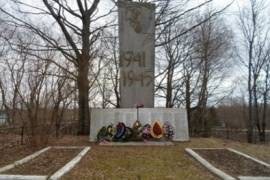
(253,178)
(58,174)
(253,159)
(22,177)
(249,157)
(24,160)
(69,147)
(207,148)
(220,173)
(209,166)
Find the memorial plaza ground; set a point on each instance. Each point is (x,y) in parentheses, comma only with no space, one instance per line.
(140,162)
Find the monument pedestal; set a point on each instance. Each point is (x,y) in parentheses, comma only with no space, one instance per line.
(105,117)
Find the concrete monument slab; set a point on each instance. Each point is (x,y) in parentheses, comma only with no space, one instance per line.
(137,58)
(105,117)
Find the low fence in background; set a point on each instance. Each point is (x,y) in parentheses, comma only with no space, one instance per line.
(18,135)
(237,134)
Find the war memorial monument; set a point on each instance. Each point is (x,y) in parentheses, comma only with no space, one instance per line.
(137,66)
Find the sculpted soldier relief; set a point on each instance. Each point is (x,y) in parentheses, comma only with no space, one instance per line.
(133,16)
(137,21)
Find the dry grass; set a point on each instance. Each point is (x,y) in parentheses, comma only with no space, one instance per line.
(137,163)
(11,154)
(167,162)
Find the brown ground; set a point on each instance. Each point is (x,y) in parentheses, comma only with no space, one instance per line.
(14,153)
(8,140)
(47,163)
(233,164)
(147,163)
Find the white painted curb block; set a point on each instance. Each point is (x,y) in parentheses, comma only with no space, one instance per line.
(209,166)
(207,148)
(220,173)
(253,178)
(249,157)
(69,147)
(58,174)
(24,160)
(21,177)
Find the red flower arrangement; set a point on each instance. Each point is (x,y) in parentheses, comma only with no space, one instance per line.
(157,129)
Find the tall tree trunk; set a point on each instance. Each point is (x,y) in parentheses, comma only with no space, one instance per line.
(83,82)
(188,103)
(265,94)
(203,96)
(169,92)
(250,118)
(262,134)
(83,88)
(250,123)
(169,103)
(256,106)
(116,91)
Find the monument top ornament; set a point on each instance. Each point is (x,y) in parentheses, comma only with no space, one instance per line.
(137,58)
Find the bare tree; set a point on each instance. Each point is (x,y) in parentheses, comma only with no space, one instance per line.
(79,24)
(169,77)
(255,30)
(109,86)
(193,67)
(170,17)
(36,93)
(265,96)
(212,48)
(76,36)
